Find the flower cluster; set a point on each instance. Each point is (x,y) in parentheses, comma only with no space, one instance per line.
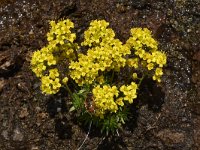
(62,39)
(105,53)
(98,34)
(59,49)
(132,62)
(130,92)
(103,90)
(51,83)
(145,48)
(104,99)
(41,59)
(61,32)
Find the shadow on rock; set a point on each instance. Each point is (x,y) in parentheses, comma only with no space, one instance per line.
(56,108)
(63,128)
(152,95)
(131,123)
(112,143)
(55,105)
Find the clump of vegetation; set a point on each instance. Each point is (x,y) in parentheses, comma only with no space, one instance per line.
(95,68)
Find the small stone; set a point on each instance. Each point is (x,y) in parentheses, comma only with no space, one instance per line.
(6,65)
(31,32)
(23,113)
(5,134)
(121,8)
(189,30)
(42,115)
(38,109)
(184,119)
(18,136)
(34,148)
(58,109)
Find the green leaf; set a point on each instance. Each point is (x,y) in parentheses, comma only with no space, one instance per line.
(81,92)
(72,109)
(77,101)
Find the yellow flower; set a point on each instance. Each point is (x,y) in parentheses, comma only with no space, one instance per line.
(147,56)
(104,99)
(65,80)
(51,60)
(100,79)
(120,102)
(150,66)
(53,73)
(56,84)
(50,86)
(132,62)
(129,91)
(135,76)
(160,58)
(158,72)
(157,78)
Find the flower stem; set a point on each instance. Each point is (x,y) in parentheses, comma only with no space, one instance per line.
(113,73)
(70,92)
(141,79)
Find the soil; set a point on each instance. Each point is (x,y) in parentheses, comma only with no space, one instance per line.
(167,116)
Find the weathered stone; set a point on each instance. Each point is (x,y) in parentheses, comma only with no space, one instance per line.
(171,137)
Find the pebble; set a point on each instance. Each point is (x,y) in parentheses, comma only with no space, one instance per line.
(18,136)
(31,32)
(5,134)
(24,113)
